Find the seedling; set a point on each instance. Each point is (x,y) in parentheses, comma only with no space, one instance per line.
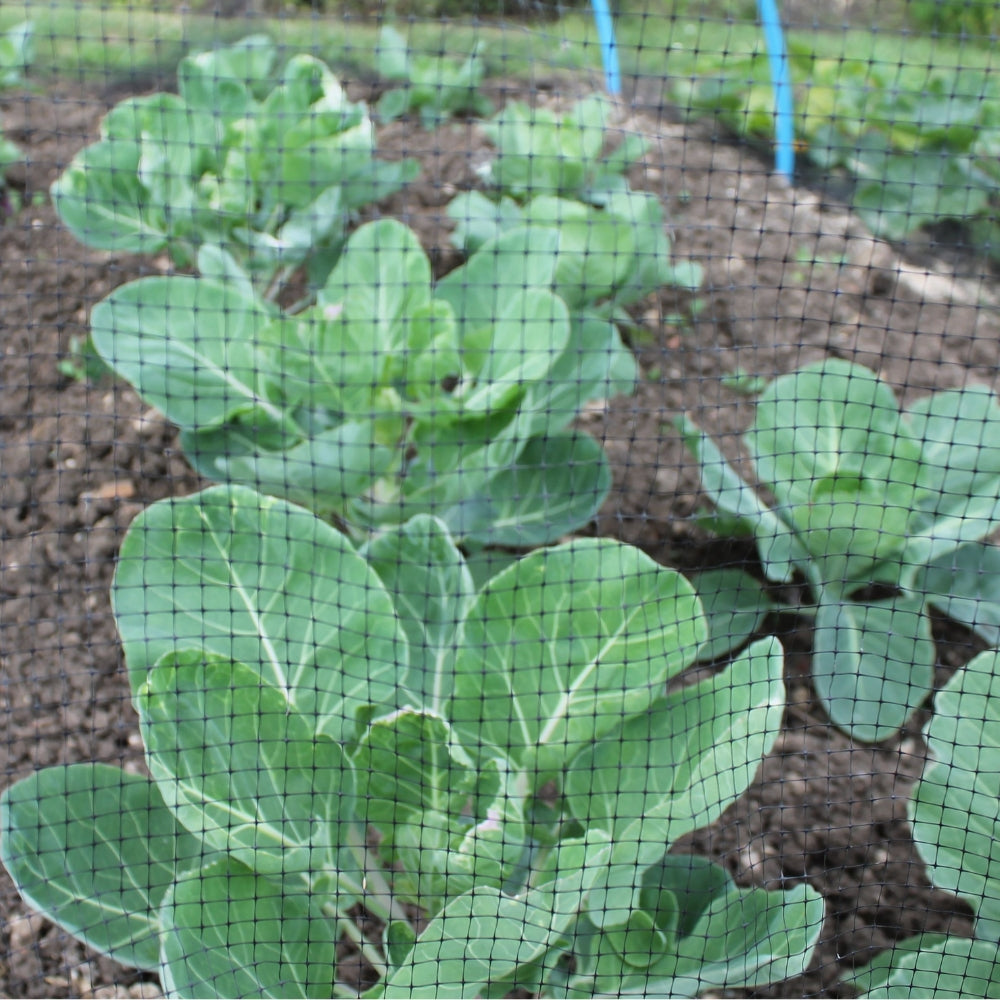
(882,513)
(391,396)
(272,171)
(434,86)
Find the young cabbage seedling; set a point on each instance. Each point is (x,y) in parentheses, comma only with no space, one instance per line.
(391,396)
(271,169)
(434,86)
(883,513)
(495,775)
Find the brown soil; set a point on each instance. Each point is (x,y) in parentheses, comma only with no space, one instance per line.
(788,280)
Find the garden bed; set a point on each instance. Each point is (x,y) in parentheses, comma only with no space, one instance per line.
(788,281)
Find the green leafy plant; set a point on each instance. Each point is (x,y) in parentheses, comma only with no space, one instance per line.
(434,87)
(543,152)
(514,749)
(271,173)
(553,173)
(882,513)
(954,814)
(977,20)
(609,257)
(391,396)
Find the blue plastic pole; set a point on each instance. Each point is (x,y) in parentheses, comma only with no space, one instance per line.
(781,81)
(609,47)
(774,39)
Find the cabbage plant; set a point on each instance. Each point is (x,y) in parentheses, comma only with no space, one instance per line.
(609,256)
(544,152)
(955,815)
(495,776)
(883,514)
(270,167)
(431,85)
(391,396)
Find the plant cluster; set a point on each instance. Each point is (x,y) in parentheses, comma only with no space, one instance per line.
(270,167)
(954,814)
(513,749)
(433,86)
(362,735)
(918,155)
(882,513)
(555,173)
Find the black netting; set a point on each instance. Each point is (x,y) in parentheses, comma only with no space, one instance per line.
(499,499)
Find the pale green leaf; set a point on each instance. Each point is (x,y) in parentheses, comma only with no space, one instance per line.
(873,665)
(237,763)
(678,766)
(260,582)
(560,647)
(95,849)
(232,933)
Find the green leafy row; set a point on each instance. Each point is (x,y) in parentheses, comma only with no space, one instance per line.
(512,747)
(919,154)
(883,513)
(954,813)
(16,54)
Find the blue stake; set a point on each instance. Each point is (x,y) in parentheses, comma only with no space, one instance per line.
(784,114)
(609,47)
(774,39)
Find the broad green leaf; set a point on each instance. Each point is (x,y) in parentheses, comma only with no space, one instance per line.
(747,938)
(237,763)
(561,646)
(530,330)
(190,347)
(95,849)
(218,264)
(959,474)
(595,364)
(956,431)
(260,582)
(100,200)
(873,664)
(516,260)
(229,932)
(965,585)
(382,278)
(411,763)
(780,551)
(830,421)
(210,79)
(679,765)
(954,810)
(735,605)
(479,220)
(555,486)
(432,591)
(937,967)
